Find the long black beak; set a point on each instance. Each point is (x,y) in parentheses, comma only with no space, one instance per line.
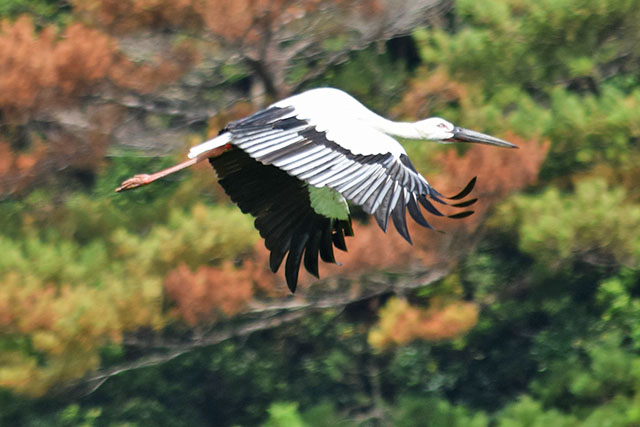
(468,135)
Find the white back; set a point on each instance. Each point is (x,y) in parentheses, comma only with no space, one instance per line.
(345,120)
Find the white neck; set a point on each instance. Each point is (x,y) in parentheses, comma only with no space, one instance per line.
(406,130)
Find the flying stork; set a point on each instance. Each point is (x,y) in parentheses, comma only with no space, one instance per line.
(295,164)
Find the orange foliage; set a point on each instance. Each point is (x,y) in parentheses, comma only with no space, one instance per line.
(372,249)
(250,19)
(147,77)
(401,323)
(42,70)
(233,20)
(14,164)
(266,283)
(202,296)
(500,172)
(235,112)
(19,170)
(129,15)
(38,70)
(66,327)
(429,94)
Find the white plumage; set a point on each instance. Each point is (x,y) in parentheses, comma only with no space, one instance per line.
(344,120)
(270,162)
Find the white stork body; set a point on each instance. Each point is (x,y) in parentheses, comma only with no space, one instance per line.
(342,118)
(278,160)
(347,122)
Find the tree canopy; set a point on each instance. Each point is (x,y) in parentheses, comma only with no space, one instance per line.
(156,307)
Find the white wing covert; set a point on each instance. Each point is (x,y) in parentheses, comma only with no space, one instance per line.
(383,182)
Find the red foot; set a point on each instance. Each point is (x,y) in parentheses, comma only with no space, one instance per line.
(144,179)
(134,182)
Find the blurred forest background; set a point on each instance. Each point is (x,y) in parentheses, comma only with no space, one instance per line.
(155,307)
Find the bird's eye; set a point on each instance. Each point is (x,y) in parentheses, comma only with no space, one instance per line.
(442,125)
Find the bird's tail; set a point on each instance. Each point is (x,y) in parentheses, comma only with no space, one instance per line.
(209,145)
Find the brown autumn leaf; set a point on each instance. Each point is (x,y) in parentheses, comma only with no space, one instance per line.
(401,323)
(208,293)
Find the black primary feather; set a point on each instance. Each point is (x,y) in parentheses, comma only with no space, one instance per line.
(284,216)
(465,191)
(385,186)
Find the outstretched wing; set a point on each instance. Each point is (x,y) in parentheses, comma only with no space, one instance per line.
(284,216)
(383,182)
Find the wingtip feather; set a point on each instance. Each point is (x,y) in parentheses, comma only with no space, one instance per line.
(466,190)
(398,216)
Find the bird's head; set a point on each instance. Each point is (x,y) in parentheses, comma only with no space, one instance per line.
(437,129)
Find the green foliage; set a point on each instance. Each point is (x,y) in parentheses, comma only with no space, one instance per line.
(203,235)
(136,210)
(557,340)
(324,415)
(328,202)
(61,256)
(74,415)
(534,44)
(284,415)
(43,10)
(609,370)
(617,296)
(527,412)
(544,68)
(374,79)
(433,412)
(596,224)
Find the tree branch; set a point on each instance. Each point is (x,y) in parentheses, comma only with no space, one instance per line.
(270,315)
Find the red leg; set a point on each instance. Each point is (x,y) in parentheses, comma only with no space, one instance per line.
(144,179)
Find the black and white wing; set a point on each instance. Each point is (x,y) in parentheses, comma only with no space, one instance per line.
(284,216)
(277,155)
(377,174)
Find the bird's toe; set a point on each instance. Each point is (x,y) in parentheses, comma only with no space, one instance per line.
(135,181)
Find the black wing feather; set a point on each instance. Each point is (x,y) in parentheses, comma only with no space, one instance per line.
(465,191)
(399,218)
(284,216)
(416,214)
(338,239)
(326,243)
(465,204)
(311,252)
(384,185)
(298,242)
